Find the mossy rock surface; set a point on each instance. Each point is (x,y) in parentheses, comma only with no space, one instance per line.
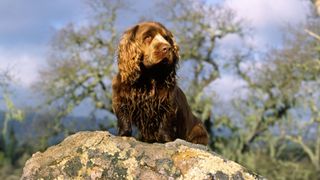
(100,155)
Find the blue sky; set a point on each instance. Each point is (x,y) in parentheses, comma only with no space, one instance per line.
(27,26)
(31,22)
(25,30)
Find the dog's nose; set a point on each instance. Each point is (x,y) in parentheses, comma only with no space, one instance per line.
(165,48)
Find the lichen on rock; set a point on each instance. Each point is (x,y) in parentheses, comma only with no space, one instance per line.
(100,155)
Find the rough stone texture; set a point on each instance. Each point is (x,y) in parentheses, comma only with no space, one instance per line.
(100,155)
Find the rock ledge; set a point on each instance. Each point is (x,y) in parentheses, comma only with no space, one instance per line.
(100,155)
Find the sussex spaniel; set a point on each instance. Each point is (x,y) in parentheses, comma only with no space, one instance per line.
(145,92)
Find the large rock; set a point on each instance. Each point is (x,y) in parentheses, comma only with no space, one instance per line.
(100,155)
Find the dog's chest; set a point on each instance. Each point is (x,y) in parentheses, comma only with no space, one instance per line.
(150,107)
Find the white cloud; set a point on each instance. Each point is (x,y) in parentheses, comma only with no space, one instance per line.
(267,17)
(22,64)
(264,12)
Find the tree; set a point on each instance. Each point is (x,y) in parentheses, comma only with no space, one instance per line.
(306,133)
(197,26)
(280,110)
(81,62)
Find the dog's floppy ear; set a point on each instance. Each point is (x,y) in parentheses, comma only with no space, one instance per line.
(133,32)
(129,55)
(175,48)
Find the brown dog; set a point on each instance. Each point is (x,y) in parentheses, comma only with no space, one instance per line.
(145,92)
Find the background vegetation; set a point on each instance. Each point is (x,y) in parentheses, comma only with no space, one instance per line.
(270,126)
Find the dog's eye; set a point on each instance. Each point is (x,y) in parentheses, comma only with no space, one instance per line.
(147,39)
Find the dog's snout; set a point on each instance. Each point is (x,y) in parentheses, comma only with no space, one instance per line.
(165,48)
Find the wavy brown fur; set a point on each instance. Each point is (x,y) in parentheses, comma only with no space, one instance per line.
(145,92)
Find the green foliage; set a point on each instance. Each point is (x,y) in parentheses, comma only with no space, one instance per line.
(12,112)
(9,143)
(11,162)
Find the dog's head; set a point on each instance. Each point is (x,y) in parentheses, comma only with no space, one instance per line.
(147,45)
